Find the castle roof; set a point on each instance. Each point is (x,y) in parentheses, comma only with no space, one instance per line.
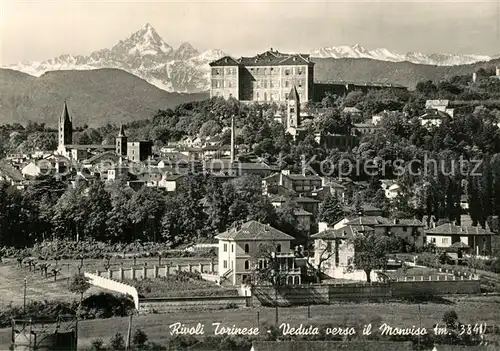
(268,58)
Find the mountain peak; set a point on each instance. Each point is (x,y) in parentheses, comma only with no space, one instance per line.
(185,51)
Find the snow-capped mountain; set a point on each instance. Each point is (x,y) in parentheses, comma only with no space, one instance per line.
(381,54)
(144,54)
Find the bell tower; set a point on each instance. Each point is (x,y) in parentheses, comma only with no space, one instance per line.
(293,109)
(65,130)
(121,142)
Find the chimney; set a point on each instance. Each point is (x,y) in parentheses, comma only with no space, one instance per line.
(232,140)
(474,77)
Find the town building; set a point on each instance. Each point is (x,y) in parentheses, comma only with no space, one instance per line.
(246,248)
(265,77)
(445,235)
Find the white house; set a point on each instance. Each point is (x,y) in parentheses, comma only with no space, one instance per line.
(241,251)
(446,235)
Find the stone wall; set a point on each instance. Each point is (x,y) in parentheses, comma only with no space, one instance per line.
(114,285)
(331,293)
(162,305)
(156,271)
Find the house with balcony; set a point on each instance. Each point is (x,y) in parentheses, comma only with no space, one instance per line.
(248,247)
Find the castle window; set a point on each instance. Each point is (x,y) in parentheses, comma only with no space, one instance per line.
(278,248)
(228,71)
(257,95)
(300,83)
(224,264)
(225,247)
(287,72)
(247,265)
(247,248)
(217,84)
(265,96)
(299,70)
(234,71)
(271,97)
(229,85)
(287,83)
(265,83)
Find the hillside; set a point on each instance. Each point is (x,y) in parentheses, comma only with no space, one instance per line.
(95,97)
(405,73)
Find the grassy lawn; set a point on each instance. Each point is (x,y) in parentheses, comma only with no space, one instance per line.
(179,286)
(469,309)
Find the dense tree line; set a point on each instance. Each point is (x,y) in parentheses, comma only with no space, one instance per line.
(113,212)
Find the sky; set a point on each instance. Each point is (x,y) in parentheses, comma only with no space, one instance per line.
(40,30)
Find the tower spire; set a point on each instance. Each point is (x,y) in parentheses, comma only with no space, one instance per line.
(122,131)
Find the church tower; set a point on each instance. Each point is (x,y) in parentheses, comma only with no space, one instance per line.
(293,109)
(65,130)
(121,142)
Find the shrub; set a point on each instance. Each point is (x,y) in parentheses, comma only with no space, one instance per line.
(117,342)
(140,338)
(106,305)
(97,345)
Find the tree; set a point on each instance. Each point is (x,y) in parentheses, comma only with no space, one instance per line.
(79,284)
(370,251)
(331,210)
(325,246)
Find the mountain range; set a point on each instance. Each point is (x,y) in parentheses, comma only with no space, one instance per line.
(146,55)
(95,97)
(381,54)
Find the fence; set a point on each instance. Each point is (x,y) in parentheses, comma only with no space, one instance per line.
(114,285)
(330,293)
(156,271)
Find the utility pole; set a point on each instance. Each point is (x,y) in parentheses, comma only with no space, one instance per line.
(24,297)
(129,332)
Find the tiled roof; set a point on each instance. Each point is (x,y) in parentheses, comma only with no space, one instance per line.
(365,221)
(268,58)
(91,146)
(304,177)
(254,230)
(301,212)
(226,163)
(452,229)
(102,156)
(435,114)
(302,199)
(369,345)
(345,232)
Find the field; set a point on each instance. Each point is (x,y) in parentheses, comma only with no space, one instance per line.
(179,285)
(39,288)
(469,309)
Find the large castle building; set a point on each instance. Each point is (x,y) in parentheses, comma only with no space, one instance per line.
(266,77)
